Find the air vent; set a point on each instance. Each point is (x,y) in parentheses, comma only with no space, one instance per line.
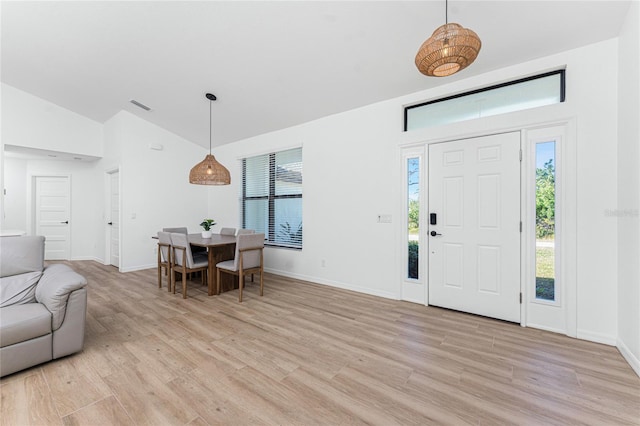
(139,105)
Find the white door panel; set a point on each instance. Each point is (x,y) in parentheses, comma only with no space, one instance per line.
(474,189)
(52,212)
(114,213)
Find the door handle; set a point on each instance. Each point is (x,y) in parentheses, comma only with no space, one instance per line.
(110,223)
(66,221)
(434,233)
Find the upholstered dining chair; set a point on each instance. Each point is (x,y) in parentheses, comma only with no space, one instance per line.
(228,231)
(248,259)
(183,230)
(182,260)
(180,230)
(246,231)
(164,258)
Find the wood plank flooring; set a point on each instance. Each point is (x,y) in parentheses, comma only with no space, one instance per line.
(306,354)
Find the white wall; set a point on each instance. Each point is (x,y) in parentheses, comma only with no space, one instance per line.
(154,185)
(15,183)
(29,121)
(352,173)
(627,213)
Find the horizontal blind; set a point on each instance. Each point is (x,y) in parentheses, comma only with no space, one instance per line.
(272,196)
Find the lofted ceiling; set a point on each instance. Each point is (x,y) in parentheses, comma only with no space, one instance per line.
(272,64)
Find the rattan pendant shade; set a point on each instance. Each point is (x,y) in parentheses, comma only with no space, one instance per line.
(209,171)
(451,48)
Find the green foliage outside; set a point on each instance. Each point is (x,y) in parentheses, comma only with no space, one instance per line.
(546,200)
(288,234)
(414,216)
(413,260)
(545,273)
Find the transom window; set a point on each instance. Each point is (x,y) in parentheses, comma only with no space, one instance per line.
(272,196)
(517,95)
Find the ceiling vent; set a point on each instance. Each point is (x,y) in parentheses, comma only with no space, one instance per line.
(139,105)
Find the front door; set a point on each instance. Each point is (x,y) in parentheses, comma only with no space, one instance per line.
(474,231)
(52,213)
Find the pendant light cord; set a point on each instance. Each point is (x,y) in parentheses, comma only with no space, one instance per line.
(446,11)
(210,126)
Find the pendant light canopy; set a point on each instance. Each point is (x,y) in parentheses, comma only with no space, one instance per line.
(450,48)
(209,171)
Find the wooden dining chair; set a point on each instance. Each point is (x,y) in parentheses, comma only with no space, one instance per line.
(248,259)
(164,258)
(228,231)
(182,260)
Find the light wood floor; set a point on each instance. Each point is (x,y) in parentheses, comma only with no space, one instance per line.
(307,354)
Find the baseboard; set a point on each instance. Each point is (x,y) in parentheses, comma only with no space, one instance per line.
(545,328)
(633,361)
(138,268)
(95,259)
(605,339)
(331,283)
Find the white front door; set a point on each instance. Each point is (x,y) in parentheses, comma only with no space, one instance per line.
(114,221)
(474,231)
(52,214)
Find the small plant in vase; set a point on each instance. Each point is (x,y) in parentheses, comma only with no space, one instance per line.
(206,225)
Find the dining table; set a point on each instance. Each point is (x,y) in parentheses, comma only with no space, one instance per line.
(219,248)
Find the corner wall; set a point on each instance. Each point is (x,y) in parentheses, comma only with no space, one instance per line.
(627,213)
(154,185)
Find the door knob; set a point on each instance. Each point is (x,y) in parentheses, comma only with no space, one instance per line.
(434,233)
(66,221)
(110,223)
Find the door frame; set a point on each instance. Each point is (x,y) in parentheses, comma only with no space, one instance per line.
(31,204)
(107,214)
(567,202)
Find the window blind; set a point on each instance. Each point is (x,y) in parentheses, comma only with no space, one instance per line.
(272,196)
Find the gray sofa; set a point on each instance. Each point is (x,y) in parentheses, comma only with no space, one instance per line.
(42,309)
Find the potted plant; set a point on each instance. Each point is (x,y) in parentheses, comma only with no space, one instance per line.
(207,224)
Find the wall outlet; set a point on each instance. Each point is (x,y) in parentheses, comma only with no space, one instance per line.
(323,263)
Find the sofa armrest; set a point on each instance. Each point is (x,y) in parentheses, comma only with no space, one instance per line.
(69,338)
(53,290)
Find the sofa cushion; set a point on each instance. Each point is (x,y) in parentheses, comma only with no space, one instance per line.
(19,255)
(18,289)
(53,290)
(23,322)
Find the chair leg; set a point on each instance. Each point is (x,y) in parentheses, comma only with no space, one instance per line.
(261,284)
(173,282)
(159,276)
(240,285)
(184,286)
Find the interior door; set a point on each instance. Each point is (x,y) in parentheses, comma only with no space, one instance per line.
(114,219)
(474,231)
(52,213)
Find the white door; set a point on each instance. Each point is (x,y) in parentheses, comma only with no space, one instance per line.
(114,221)
(52,213)
(474,245)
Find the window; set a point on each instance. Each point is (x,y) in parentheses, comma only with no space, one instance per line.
(545,220)
(530,92)
(413,217)
(272,196)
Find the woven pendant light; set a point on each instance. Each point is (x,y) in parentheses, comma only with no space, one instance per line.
(450,48)
(209,171)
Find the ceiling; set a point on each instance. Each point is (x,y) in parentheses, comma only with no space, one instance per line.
(272,64)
